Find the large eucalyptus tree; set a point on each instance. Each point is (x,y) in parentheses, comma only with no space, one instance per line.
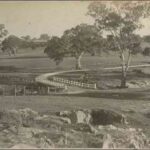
(120,19)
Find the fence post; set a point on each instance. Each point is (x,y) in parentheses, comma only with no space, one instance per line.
(3,91)
(15,91)
(32,90)
(66,87)
(95,86)
(39,90)
(48,90)
(82,84)
(24,90)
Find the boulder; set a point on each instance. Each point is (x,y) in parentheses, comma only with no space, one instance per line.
(23,117)
(83,116)
(10,119)
(75,116)
(44,142)
(28,116)
(106,117)
(66,120)
(64,113)
(94,117)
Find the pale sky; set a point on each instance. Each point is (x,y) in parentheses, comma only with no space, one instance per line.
(51,17)
(34,18)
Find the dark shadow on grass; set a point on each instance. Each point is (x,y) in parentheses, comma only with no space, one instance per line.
(145,62)
(9,69)
(112,95)
(24,57)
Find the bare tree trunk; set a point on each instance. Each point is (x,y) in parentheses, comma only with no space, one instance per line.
(78,61)
(123,79)
(125,67)
(124,64)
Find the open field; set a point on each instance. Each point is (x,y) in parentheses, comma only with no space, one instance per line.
(38,62)
(133,103)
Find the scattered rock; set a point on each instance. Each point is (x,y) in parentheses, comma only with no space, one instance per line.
(107,127)
(131,129)
(28,116)
(96,128)
(22,146)
(129,111)
(138,84)
(93,129)
(95,117)
(81,116)
(44,142)
(112,127)
(76,116)
(107,142)
(66,120)
(11,119)
(64,113)
(136,142)
(83,128)
(94,142)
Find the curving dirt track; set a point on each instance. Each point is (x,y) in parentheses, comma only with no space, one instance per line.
(44,79)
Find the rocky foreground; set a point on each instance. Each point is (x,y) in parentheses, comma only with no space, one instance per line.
(96,128)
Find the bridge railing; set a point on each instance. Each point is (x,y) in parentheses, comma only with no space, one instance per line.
(75,83)
(50,82)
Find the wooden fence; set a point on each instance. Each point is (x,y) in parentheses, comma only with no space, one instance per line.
(24,90)
(75,83)
(7,79)
(51,83)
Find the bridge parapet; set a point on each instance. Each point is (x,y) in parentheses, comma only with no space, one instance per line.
(74,83)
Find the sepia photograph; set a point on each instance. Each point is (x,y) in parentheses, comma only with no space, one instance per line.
(75,74)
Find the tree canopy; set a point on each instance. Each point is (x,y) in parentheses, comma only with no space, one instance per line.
(44,36)
(3,31)
(11,43)
(75,42)
(26,38)
(83,39)
(120,20)
(55,49)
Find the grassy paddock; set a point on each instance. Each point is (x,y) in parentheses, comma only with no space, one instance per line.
(44,64)
(57,103)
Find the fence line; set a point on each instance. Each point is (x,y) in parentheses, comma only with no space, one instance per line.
(50,82)
(16,79)
(74,83)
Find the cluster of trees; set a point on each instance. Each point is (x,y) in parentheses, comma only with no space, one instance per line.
(75,42)
(43,36)
(119,20)
(12,42)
